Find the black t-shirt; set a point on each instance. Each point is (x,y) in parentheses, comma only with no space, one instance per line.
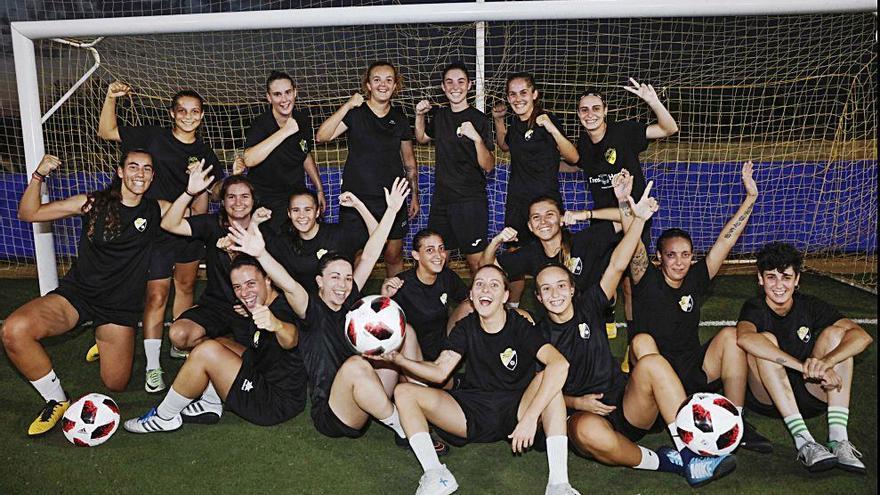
(671,316)
(619,149)
(112,273)
(534,160)
(323,344)
(282,171)
(170,158)
(457,170)
(300,257)
(497,362)
(798,330)
(584,343)
(283,368)
(591,250)
(374,159)
(427,306)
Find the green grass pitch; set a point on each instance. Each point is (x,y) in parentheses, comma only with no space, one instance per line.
(236,457)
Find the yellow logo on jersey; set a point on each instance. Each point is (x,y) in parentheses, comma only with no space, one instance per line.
(256,338)
(611,155)
(803,333)
(508,359)
(321,252)
(192,159)
(686,303)
(443,298)
(584,330)
(575,265)
(140,223)
(304,145)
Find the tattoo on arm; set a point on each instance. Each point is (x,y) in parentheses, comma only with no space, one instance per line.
(739,221)
(780,360)
(627,211)
(639,263)
(412,176)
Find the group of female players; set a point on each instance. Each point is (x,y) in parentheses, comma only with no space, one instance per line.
(269,325)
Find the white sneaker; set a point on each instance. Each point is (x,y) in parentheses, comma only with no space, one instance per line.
(847,457)
(201,411)
(816,457)
(437,482)
(561,489)
(152,423)
(154,382)
(176,353)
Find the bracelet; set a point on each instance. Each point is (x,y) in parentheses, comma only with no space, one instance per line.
(36,175)
(186,191)
(591,214)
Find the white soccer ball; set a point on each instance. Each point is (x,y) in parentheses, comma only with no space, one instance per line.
(91,420)
(375,325)
(709,424)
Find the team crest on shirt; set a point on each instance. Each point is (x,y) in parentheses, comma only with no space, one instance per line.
(321,252)
(304,145)
(528,134)
(192,159)
(575,265)
(584,330)
(443,298)
(256,339)
(686,303)
(803,333)
(140,223)
(508,359)
(611,155)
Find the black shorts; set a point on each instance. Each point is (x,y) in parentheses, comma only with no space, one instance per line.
(490,416)
(279,220)
(689,369)
(98,315)
(516,215)
(328,424)
(351,220)
(170,249)
(463,224)
(808,404)
(258,401)
(218,320)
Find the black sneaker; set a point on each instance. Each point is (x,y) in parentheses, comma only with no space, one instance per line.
(754,441)
(440,446)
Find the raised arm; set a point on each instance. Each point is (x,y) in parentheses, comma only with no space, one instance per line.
(735,226)
(173,219)
(107,126)
(422,109)
(499,111)
(623,253)
(349,200)
(30,209)
(567,150)
(255,155)
(485,158)
(666,125)
(394,199)
(333,127)
(412,176)
(571,217)
(286,332)
(508,234)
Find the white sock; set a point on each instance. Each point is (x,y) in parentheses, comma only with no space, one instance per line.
(210,394)
(673,432)
(423,447)
(557,459)
(393,422)
(650,460)
(740,410)
(798,429)
(172,404)
(152,348)
(50,387)
(838,417)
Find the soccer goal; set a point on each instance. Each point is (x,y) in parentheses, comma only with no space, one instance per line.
(790,85)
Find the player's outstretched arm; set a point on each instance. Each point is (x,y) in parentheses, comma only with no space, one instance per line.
(567,150)
(333,127)
(555,372)
(107,127)
(623,253)
(394,199)
(30,209)
(499,111)
(735,226)
(571,217)
(422,109)
(666,125)
(286,332)
(437,371)
(638,263)
(173,220)
(255,155)
(349,200)
(508,234)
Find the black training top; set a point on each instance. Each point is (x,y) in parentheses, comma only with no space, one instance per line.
(497,362)
(619,149)
(671,316)
(374,159)
(300,257)
(584,342)
(282,171)
(457,170)
(534,160)
(112,273)
(171,158)
(798,330)
(427,306)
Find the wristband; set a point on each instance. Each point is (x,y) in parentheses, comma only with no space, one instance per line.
(36,175)
(186,191)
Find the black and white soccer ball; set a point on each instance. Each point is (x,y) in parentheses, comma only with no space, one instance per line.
(375,325)
(91,420)
(709,424)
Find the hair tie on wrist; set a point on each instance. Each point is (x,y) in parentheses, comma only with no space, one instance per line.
(36,175)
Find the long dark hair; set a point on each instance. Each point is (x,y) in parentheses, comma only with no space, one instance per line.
(537,108)
(101,209)
(227,183)
(565,247)
(290,231)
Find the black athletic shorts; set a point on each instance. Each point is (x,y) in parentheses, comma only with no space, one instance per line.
(328,424)
(98,315)
(218,321)
(490,416)
(169,249)
(808,404)
(463,224)
(516,215)
(258,401)
(351,220)
(689,369)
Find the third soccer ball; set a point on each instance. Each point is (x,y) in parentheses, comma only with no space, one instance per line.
(91,420)
(709,424)
(375,325)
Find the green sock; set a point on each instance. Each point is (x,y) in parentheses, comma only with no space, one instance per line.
(837,420)
(797,427)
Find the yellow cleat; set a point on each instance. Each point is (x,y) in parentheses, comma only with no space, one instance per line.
(48,417)
(93,355)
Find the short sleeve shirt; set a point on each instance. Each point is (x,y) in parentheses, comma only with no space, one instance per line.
(619,149)
(374,159)
(300,257)
(283,368)
(534,160)
(427,306)
(281,172)
(457,170)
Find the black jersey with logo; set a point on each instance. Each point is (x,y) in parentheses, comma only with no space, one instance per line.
(374,159)
(497,362)
(619,149)
(112,273)
(584,343)
(300,257)
(796,331)
(671,316)
(427,306)
(282,171)
(457,170)
(171,158)
(534,160)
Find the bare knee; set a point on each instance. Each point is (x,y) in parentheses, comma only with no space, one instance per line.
(406,394)
(830,338)
(184,336)
(205,351)
(727,336)
(589,432)
(116,380)
(356,367)
(651,365)
(185,284)
(14,332)
(156,297)
(393,254)
(643,344)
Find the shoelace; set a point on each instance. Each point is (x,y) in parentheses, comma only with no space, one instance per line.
(49,411)
(810,449)
(154,375)
(701,468)
(146,417)
(849,447)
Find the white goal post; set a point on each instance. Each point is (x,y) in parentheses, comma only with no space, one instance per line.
(24,34)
